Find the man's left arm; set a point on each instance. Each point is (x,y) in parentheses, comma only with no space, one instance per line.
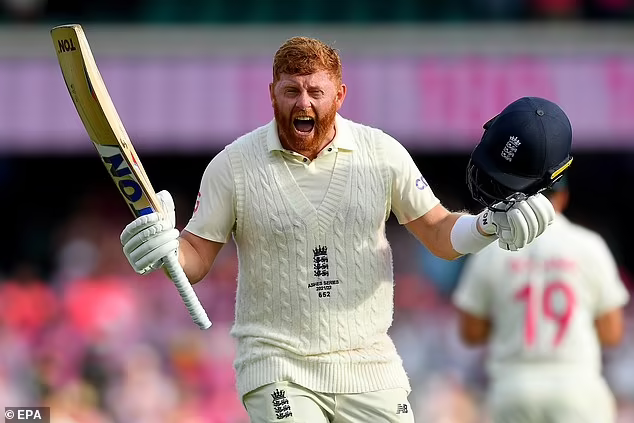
(434,230)
(415,205)
(612,295)
(449,235)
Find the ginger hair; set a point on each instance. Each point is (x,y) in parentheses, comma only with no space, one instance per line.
(303,56)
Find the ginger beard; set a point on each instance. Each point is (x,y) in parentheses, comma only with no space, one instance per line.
(304,135)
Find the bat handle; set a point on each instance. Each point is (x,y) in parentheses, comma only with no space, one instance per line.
(185,289)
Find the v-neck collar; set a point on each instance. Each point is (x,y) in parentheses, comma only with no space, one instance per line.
(320,217)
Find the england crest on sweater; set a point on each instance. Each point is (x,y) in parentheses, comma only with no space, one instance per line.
(324,280)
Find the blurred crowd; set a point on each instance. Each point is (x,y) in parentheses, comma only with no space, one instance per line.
(100,344)
(276,11)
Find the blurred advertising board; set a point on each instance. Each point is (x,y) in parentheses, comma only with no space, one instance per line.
(429,101)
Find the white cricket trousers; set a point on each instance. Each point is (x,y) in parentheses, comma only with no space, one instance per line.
(552,402)
(285,402)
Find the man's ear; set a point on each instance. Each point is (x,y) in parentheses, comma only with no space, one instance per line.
(271,89)
(341,95)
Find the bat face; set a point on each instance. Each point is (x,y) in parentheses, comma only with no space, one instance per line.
(99,116)
(97,113)
(123,176)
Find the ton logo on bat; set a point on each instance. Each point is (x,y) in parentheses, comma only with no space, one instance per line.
(66,45)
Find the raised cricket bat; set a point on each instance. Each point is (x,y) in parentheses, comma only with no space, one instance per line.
(105,129)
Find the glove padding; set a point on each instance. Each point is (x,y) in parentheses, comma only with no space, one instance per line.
(523,222)
(150,238)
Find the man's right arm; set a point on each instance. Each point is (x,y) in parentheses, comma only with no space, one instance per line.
(472,298)
(196,255)
(149,238)
(213,220)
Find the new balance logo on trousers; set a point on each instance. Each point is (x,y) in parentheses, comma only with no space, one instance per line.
(401,409)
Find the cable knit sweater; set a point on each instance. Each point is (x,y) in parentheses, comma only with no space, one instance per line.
(315,286)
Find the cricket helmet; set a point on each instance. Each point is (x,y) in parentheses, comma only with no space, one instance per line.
(523,151)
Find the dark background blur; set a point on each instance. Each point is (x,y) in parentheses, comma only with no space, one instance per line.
(79,331)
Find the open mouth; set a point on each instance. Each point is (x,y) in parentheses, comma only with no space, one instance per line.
(304,124)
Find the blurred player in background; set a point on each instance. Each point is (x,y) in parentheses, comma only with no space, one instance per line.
(306,198)
(545,311)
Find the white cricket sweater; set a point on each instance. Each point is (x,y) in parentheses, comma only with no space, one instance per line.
(315,286)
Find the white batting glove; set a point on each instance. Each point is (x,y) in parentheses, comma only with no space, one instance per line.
(150,238)
(520,224)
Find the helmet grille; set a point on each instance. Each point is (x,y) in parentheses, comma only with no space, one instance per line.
(487,191)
